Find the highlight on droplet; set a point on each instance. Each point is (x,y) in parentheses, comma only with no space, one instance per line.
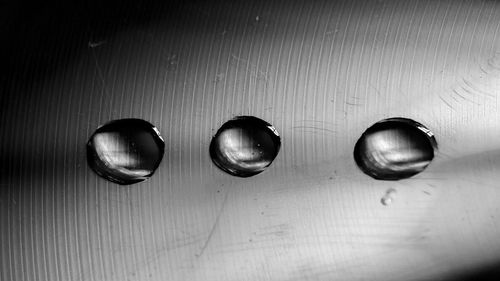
(125,151)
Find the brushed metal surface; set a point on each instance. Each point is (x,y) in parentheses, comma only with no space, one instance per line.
(321,72)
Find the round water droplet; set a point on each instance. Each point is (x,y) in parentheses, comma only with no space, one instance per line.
(125,151)
(245,146)
(394,149)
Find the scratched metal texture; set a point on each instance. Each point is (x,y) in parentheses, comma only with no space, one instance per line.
(321,72)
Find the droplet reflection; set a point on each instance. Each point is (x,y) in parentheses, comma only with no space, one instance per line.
(125,151)
(245,146)
(394,149)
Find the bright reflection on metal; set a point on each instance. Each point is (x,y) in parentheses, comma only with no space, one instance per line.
(395,149)
(245,146)
(125,151)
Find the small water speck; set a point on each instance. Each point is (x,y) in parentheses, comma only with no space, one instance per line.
(245,146)
(125,151)
(388,197)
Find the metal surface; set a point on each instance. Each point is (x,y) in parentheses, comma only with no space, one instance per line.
(321,72)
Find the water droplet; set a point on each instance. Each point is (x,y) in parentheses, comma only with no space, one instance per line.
(245,146)
(388,198)
(125,151)
(394,149)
